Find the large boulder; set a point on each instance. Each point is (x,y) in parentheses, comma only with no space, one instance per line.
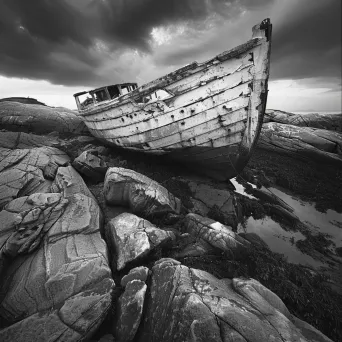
(61,290)
(186,304)
(302,142)
(132,238)
(142,195)
(15,116)
(331,122)
(211,234)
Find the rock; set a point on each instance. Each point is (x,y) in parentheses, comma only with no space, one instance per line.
(331,122)
(209,199)
(130,308)
(145,197)
(69,182)
(282,212)
(186,304)
(133,237)
(302,142)
(91,166)
(61,290)
(216,234)
(254,239)
(137,273)
(21,140)
(15,116)
(22,171)
(268,196)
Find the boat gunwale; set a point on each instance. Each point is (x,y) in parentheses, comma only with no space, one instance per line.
(169,79)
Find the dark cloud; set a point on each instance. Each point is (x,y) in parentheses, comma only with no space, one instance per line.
(308,41)
(70,41)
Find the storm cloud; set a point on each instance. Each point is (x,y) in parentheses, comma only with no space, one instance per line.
(89,43)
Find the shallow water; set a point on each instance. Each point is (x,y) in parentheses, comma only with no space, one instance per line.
(279,240)
(326,223)
(282,241)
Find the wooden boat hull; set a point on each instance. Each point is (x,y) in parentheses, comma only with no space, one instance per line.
(210,117)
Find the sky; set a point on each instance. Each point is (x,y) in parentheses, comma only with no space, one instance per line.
(51,49)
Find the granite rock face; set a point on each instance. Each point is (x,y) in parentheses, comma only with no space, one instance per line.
(302,142)
(132,237)
(143,196)
(186,304)
(61,290)
(23,171)
(332,122)
(15,116)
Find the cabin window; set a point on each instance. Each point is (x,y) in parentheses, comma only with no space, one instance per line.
(113,92)
(85,100)
(101,95)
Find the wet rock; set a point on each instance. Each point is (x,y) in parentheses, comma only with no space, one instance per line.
(62,289)
(186,304)
(137,273)
(302,142)
(23,117)
(130,308)
(91,166)
(254,239)
(215,201)
(331,122)
(281,212)
(216,235)
(124,187)
(133,237)
(22,171)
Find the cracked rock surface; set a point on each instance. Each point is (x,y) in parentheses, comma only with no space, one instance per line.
(17,116)
(63,287)
(22,170)
(145,197)
(302,142)
(186,304)
(133,237)
(331,122)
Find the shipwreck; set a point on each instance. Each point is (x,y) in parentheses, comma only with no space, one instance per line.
(206,115)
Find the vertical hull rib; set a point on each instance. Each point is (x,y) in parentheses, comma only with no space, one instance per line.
(206,115)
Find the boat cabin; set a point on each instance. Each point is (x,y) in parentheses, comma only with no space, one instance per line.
(94,97)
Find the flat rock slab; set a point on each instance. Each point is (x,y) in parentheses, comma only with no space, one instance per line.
(26,171)
(145,197)
(61,290)
(186,304)
(331,122)
(132,238)
(15,116)
(302,142)
(208,197)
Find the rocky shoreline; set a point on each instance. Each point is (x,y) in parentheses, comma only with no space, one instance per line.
(125,247)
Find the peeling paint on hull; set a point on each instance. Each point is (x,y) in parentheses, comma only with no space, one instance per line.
(211,117)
